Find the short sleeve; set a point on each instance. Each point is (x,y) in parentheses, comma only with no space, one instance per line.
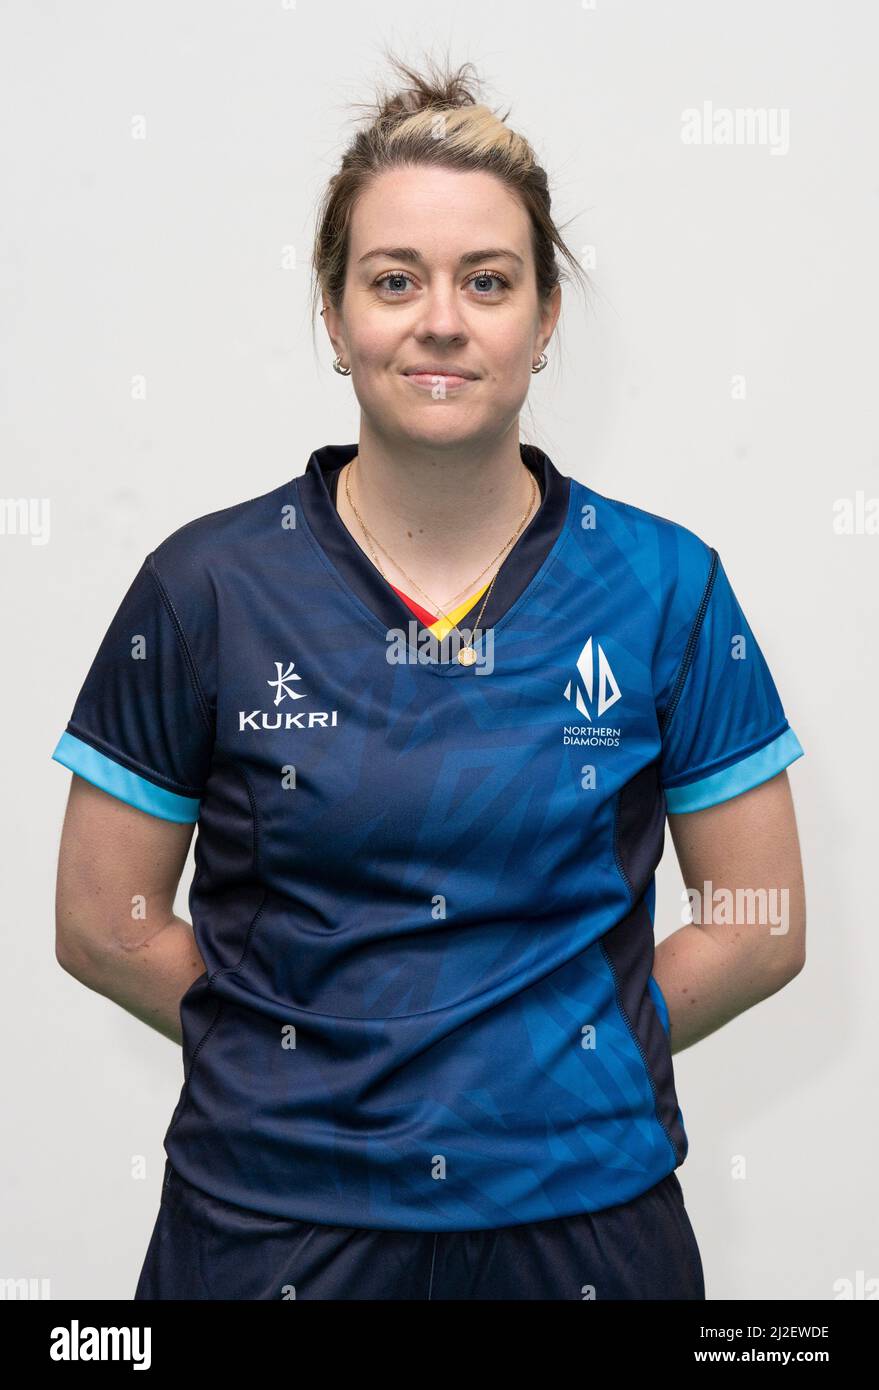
(141,728)
(724,729)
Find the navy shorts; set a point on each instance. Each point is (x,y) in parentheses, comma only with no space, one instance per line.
(204,1248)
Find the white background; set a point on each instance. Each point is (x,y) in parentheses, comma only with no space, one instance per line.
(163,257)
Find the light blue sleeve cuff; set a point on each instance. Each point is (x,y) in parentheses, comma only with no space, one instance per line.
(119,781)
(740,777)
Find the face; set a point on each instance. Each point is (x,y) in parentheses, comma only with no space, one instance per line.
(440,276)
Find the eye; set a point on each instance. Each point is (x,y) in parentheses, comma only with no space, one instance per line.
(392,275)
(489,275)
(397,275)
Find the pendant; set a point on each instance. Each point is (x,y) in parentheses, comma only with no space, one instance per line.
(466,656)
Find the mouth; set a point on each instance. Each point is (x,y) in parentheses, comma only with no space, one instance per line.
(450,378)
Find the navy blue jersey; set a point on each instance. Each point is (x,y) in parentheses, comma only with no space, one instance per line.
(424,890)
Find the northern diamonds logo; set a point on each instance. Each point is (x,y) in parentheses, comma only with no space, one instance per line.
(312,719)
(580,690)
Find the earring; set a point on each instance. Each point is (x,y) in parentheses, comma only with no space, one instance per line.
(541,363)
(337,367)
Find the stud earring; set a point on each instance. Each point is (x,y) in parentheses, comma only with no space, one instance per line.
(337,367)
(541,363)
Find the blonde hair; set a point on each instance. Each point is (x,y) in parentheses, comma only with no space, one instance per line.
(436,119)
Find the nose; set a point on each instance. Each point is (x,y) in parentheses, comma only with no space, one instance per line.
(441,313)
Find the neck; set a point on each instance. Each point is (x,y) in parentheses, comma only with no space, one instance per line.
(440,515)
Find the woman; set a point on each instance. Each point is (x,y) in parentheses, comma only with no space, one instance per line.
(429,703)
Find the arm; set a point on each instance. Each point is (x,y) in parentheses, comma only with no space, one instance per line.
(721,965)
(115,928)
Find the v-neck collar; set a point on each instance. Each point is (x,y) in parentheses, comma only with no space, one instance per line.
(317,488)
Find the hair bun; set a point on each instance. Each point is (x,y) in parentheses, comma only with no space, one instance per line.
(435,89)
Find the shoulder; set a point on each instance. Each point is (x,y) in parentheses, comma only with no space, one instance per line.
(207,555)
(219,537)
(667,558)
(202,565)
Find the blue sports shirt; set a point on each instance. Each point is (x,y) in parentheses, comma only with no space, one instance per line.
(424,891)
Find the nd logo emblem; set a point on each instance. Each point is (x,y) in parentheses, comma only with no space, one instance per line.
(580,690)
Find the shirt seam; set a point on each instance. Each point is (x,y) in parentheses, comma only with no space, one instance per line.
(130,764)
(688,657)
(188,658)
(727,761)
(633,1034)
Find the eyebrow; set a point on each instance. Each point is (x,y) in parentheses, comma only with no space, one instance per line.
(409,253)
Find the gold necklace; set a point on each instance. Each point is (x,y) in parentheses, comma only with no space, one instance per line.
(466,654)
(466,588)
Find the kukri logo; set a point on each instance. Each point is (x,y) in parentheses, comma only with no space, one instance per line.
(258,719)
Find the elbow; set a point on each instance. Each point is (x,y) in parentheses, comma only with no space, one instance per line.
(74,951)
(68,957)
(789,969)
(64,939)
(795,968)
(791,949)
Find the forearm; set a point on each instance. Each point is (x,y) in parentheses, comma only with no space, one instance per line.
(706,982)
(148,979)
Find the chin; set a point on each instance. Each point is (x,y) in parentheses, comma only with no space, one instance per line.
(447,435)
